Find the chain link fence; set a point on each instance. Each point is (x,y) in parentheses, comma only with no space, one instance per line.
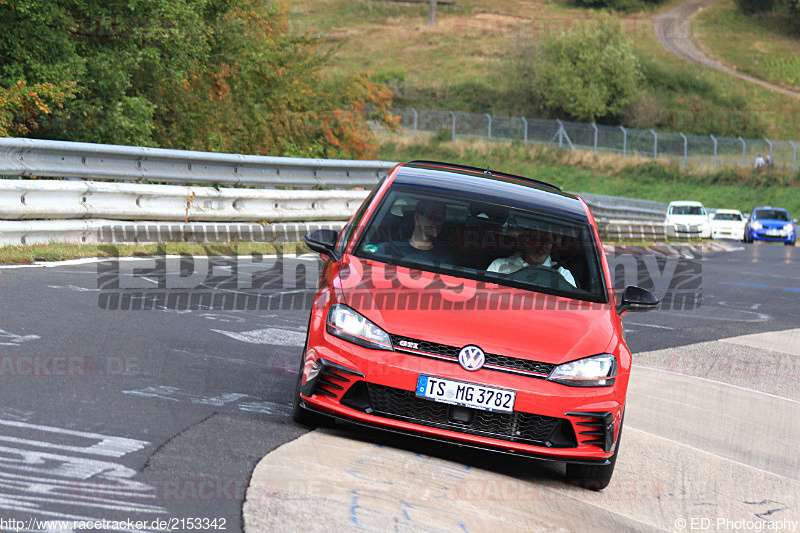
(696,150)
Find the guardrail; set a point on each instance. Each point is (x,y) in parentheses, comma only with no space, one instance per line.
(53,199)
(611,208)
(34,157)
(37,210)
(101,231)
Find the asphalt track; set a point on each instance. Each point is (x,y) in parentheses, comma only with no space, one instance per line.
(159,414)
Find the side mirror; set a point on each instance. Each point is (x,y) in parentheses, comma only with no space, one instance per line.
(636,299)
(323,241)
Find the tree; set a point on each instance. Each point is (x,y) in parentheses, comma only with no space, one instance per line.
(205,74)
(260,91)
(23,107)
(432,13)
(585,77)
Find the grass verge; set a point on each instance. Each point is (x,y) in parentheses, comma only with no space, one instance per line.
(764,45)
(26,254)
(57,251)
(581,171)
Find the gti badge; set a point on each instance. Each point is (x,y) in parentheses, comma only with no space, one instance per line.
(471,358)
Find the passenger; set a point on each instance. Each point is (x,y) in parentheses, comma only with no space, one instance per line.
(537,246)
(429,217)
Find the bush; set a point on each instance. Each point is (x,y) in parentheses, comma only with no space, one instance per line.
(750,7)
(584,77)
(645,111)
(620,5)
(473,96)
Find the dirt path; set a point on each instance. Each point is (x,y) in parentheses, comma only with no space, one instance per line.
(672,30)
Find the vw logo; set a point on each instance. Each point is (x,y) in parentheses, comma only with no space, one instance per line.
(471,358)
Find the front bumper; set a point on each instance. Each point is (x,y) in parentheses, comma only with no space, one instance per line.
(779,236)
(376,388)
(727,233)
(695,231)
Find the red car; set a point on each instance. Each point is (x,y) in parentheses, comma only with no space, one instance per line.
(475,307)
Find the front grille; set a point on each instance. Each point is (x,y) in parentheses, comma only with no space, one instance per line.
(443,351)
(525,428)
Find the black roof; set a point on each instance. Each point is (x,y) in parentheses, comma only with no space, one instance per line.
(499,187)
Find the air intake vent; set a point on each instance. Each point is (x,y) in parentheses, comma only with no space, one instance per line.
(326,378)
(599,429)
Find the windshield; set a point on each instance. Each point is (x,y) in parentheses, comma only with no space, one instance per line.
(687,210)
(771,214)
(486,242)
(727,216)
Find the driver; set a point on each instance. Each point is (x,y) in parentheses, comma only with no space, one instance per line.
(536,248)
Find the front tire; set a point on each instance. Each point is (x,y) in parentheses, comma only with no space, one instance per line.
(594,477)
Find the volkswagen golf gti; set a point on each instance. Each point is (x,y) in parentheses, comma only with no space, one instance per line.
(474,307)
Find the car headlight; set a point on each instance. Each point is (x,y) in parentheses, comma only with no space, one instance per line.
(347,324)
(788,227)
(756,225)
(596,371)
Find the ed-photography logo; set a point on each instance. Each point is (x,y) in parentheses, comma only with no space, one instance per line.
(223,279)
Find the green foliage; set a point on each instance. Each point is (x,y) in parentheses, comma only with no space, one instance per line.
(198,74)
(476,96)
(678,100)
(793,6)
(584,77)
(626,6)
(22,107)
(749,7)
(117,52)
(784,68)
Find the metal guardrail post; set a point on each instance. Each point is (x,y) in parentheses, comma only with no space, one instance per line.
(624,142)
(715,149)
(655,145)
(415,119)
(560,134)
(489,118)
(685,149)
(595,137)
(744,152)
(794,158)
(770,149)
(525,133)
(453,131)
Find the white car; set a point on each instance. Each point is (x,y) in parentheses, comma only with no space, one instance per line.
(727,224)
(687,219)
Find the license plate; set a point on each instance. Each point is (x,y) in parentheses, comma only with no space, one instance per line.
(774,233)
(465,394)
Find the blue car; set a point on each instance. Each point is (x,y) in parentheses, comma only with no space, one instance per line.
(771,224)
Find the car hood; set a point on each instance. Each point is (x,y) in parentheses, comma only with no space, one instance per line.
(687,219)
(728,223)
(458,312)
(771,222)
